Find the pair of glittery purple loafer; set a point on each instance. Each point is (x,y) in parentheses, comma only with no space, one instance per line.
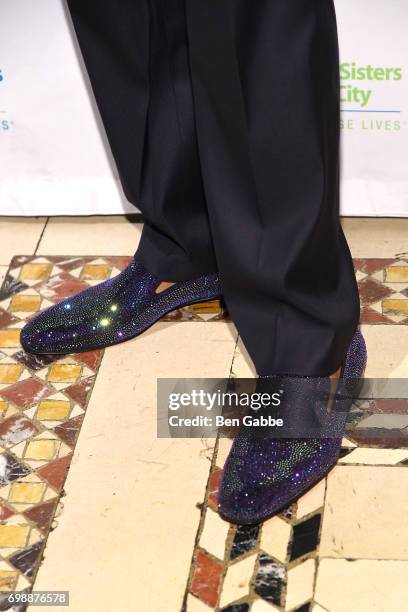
(264,474)
(261,475)
(113,311)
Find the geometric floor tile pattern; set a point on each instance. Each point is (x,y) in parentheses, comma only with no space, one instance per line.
(43,400)
(270,566)
(282,564)
(273,566)
(42,404)
(383,286)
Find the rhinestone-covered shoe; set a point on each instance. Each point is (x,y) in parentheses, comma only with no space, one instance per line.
(262,476)
(112,312)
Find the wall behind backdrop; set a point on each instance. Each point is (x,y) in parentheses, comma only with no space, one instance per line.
(54,159)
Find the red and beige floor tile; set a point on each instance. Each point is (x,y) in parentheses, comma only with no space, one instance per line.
(133,482)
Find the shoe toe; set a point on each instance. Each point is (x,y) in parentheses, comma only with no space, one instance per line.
(37,337)
(28,339)
(252,491)
(246,506)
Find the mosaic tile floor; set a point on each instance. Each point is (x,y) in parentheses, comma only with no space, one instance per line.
(283,564)
(383,285)
(43,401)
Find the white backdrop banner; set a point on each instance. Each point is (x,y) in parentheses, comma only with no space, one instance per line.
(54,159)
